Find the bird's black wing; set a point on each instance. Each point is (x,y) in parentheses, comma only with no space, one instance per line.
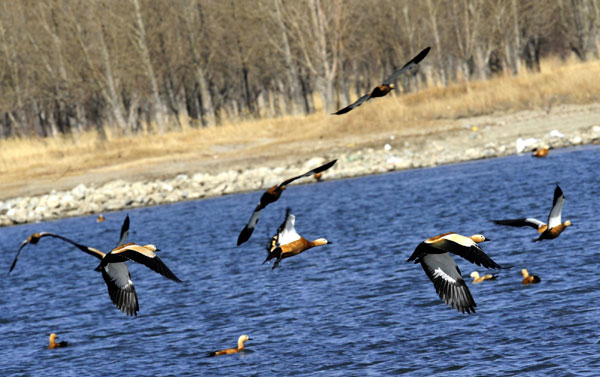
(525,221)
(309,173)
(357,103)
(448,282)
(120,287)
(473,254)
(554,218)
(140,254)
(249,228)
(413,63)
(124,231)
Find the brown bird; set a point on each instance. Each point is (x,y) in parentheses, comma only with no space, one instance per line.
(54,344)
(34,238)
(529,278)
(440,267)
(270,196)
(387,85)
(318,177)
(555,225)
(540,152)
(478,279)
(230,351)
(100,218)
(287,243)
(112,265)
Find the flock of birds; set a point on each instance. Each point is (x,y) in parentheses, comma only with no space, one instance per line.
(433,253)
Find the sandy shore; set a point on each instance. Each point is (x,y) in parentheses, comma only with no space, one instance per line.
(124,186)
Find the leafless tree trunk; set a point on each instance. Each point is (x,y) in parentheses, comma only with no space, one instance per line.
(206,103)
(433,15)
(141,42)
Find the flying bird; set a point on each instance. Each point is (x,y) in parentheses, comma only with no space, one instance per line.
(387,85)
(433,254)
(287,242)
(555,225)
(270,196)
(112,265)
(230,351)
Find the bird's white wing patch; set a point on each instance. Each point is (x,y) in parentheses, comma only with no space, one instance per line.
(438,272)
(288,234)
(537,222)
(554,218)
(119,274)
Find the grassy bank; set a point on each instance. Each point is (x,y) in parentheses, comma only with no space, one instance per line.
(557,83)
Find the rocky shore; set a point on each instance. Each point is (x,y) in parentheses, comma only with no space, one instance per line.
(409,153)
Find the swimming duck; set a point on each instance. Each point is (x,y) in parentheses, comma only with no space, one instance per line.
(529,278)
(318,177)
(54,344)
(547,231)
(433,254)
(112,265)
(387,85)
(270,196)
(478,279)
(230,351)
(100,218)
(540,152)
(287,243)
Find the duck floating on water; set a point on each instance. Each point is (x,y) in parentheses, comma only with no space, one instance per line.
(287,242)
(387,85)
(54,344)
(478,279)
(540,152)
(529,278)
(555,225)
(112,265)
(229,351)
(442,270)
(272,195)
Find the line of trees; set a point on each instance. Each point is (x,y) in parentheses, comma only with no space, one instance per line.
(130,65)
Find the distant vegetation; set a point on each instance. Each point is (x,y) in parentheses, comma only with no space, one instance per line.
(119,67)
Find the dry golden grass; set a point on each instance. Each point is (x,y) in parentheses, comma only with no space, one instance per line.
(557,83)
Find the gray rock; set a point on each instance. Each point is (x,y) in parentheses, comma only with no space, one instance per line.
(79,191)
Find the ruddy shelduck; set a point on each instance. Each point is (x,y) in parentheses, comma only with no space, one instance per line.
(112,265)
(529,278)
(229,351)
(387,85)
(540,152)
(287,242)
(478,279)
(555,225)
(54,344)
(272,195)
(433,254)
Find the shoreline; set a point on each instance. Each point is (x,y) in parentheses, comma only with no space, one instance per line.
(478,140)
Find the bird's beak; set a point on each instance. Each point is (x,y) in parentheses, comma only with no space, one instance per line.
(486,240)
(250,339)
(329,242)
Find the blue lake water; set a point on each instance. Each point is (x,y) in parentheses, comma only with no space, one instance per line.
(351,308)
